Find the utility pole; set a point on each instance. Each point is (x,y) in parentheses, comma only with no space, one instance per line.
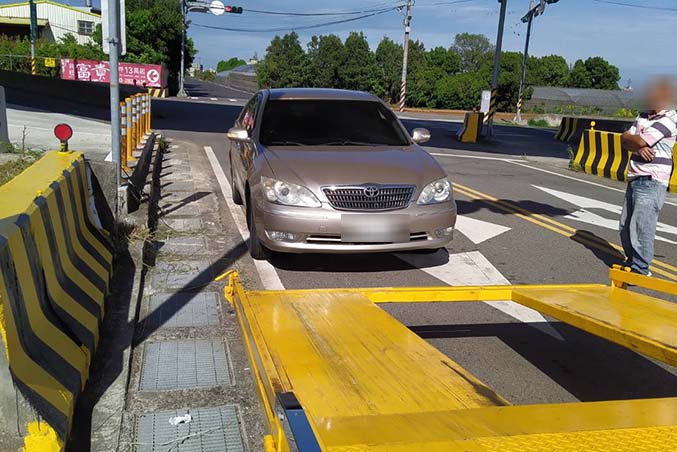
(497,64)
(182,91)
(114,54)
(33,34)
(405,55)
(520,96)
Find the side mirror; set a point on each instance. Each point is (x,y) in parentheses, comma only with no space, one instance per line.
(420,135)
(238,134)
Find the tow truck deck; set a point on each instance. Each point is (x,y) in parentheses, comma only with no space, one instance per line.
(336,373)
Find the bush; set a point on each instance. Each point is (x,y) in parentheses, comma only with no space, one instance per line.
(629,113)
(538,123)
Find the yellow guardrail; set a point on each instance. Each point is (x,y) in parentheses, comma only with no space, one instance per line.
(135,126)
(601,153)
(56,263)
(337,373)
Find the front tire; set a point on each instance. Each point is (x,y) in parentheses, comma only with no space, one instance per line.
(257,250)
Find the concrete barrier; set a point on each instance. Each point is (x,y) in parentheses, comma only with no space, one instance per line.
(602,153)
(571,127)
(56,263)
(472,127)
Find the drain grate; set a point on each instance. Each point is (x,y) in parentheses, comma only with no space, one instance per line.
(184,364)
(209,430)
(175,310)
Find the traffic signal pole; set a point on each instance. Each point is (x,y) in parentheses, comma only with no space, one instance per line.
(405,56)
(518,114)
(114,42)
(497,64)
(182,73)
(33,33)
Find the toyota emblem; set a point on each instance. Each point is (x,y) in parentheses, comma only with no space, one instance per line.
(371,191)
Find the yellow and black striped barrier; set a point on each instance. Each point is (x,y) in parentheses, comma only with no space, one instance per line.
(55,265)
(472,127)
(158,92)
(567,128)
(601,153)
(571,127)
(135,117)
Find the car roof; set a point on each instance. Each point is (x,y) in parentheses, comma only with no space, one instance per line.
(319,94)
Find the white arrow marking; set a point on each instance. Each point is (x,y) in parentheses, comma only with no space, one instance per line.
(473,269)
(478,231)
(591,218)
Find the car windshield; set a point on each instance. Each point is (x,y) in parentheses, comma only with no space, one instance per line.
(304,122)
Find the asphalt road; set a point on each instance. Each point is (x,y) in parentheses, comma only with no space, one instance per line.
(524,219)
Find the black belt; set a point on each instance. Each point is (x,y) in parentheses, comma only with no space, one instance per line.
(655,161)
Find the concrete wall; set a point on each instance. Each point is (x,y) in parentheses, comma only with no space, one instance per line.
(75,91)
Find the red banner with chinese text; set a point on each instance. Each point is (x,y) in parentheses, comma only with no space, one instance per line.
(142,75)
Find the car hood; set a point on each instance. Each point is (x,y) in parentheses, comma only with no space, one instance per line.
(353,165)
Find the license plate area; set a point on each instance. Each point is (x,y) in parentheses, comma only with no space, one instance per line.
(375,228)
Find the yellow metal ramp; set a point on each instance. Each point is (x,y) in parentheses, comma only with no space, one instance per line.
(336,373)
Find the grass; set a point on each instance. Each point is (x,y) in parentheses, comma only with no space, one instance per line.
(12,168)
(538,123)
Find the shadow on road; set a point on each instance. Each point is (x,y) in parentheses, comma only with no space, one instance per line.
(584,365)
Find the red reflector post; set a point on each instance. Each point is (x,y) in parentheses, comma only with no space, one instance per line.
(63,132)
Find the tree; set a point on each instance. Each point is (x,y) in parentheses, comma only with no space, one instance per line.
(473,49)
(462,91)
(229,64)
(419,90)
(388,58)
(550,70)
(325,54)
(285,63)
(447,60)
(596,73)
(358,65)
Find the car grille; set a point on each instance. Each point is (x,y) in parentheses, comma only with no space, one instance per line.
(370,197)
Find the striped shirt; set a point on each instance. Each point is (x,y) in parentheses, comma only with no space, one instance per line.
(659,130)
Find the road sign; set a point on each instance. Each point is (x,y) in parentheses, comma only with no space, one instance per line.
(121,24)
(217,8)
(50,62)
(486,100)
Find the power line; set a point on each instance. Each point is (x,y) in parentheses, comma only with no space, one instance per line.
(326,13)
(632,5)
(303,27)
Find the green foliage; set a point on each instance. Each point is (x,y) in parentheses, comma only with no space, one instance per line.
(208,76)
(474,50)
(629,113)
(285,63)
(229,64)
(450,78)
(595,72)
(538,123)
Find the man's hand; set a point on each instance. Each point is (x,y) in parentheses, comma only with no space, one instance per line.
(646,153)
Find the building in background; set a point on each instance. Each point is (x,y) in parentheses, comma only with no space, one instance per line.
(55,20)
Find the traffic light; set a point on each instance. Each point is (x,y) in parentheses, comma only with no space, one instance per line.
(234,9)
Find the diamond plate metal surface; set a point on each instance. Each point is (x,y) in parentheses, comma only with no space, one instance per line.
(184,364)
(210,430)
(174,310)
(649,439)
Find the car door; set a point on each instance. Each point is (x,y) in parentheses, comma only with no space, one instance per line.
(243,154)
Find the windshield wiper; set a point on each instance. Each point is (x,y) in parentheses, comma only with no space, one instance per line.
(347,143)
(286,143)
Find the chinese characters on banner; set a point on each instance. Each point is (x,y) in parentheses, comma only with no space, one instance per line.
(142,75)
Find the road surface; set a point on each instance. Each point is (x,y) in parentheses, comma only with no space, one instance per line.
(524,219)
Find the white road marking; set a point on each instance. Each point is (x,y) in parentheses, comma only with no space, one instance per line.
(478,231)
(542,170)
(586,216)
(473,269)
(232,100)
(213,98)
(411,118)
(269,277)
(109,157)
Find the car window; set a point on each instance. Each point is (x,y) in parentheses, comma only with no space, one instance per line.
(330,122)
(248,115)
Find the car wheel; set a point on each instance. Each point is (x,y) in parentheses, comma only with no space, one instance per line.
(237,197)
(256,249)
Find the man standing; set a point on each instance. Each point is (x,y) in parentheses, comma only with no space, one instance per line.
(650,139)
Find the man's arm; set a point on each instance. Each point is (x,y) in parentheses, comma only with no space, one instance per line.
(633,143)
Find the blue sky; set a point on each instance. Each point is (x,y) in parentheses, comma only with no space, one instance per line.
(639,41)
(636,40)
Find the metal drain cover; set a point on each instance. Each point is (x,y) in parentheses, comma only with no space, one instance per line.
(209,430)
(184,364)
(182,309)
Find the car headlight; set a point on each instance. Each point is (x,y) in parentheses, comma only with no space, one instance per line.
(435,192)
(288,194)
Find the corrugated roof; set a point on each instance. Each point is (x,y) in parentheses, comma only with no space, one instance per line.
(581,96)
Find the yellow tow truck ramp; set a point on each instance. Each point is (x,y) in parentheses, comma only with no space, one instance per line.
(338,374)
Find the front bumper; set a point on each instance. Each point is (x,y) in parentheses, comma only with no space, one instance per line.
(320,230)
